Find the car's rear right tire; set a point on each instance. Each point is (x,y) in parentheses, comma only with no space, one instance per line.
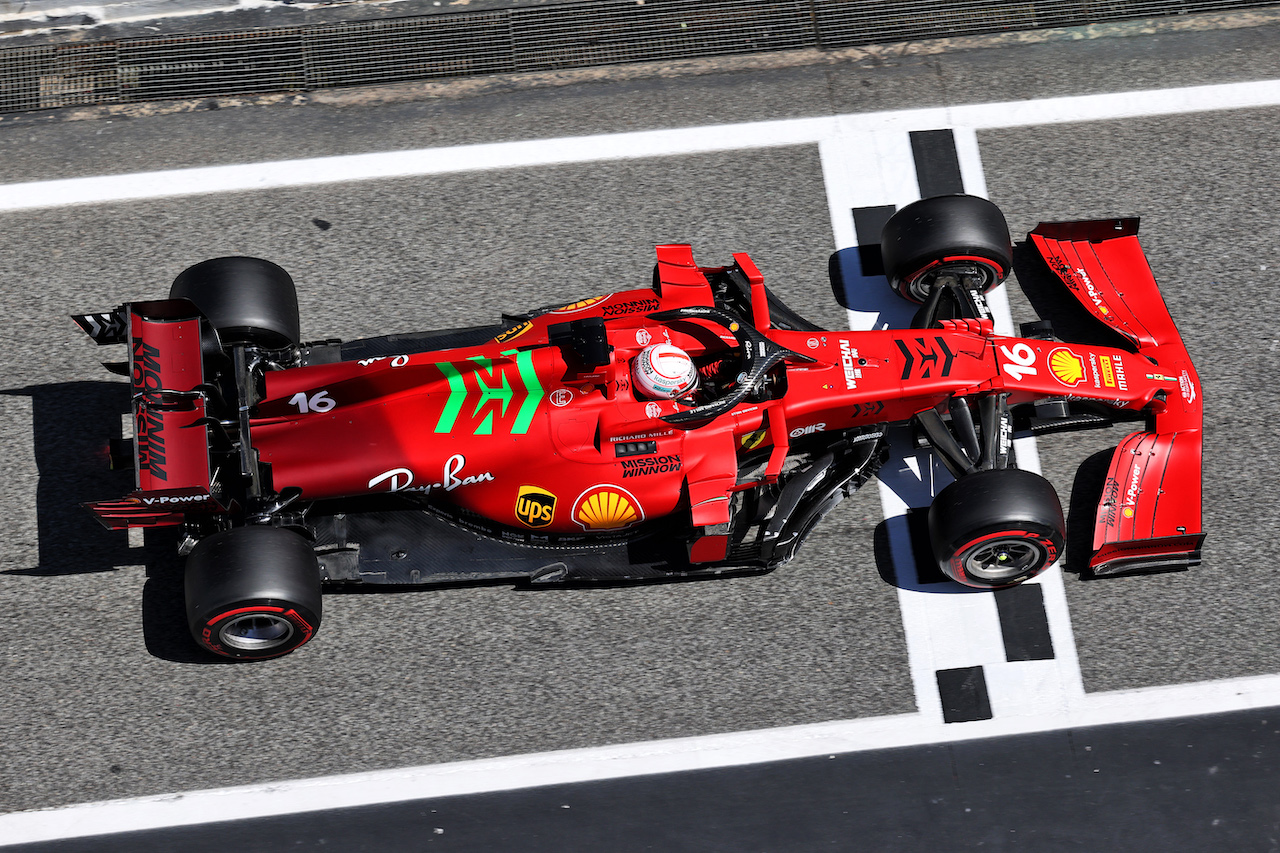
(253,592)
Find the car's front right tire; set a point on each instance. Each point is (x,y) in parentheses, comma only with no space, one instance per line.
(996,528)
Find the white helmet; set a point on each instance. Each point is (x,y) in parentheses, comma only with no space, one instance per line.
(664,372)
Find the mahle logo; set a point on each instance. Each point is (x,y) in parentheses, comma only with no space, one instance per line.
(535,507)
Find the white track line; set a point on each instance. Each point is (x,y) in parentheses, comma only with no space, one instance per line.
(613,762)
(853,147)
(654,143)
(946,626)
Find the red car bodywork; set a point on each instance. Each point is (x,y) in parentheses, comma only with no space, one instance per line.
(519,431)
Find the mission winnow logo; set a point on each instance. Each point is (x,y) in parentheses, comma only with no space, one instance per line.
(649,465)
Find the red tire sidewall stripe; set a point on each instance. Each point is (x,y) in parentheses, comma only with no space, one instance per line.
(1050,549)
(208,632)
(1003,273)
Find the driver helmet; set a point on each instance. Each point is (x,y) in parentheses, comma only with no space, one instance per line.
(664,372)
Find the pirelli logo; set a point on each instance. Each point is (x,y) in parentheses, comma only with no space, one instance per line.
(1108,372)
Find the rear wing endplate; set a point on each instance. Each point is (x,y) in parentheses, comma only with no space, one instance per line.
(170,436)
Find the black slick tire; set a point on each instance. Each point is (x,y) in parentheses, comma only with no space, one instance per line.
(248,300)
(253,592)
(996,528)
(952,233)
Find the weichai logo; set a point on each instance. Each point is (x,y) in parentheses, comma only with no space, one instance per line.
(149,425)
(535,507)
(1066,366)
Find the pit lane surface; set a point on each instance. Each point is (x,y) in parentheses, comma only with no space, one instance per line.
(106,698)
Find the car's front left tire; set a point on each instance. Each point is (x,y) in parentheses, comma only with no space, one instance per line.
(960,238)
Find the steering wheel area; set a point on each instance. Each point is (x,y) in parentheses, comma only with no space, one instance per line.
(758,355)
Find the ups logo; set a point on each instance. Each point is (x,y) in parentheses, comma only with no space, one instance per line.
(535,507)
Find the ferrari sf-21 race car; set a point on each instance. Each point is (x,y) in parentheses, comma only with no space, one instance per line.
(693,427)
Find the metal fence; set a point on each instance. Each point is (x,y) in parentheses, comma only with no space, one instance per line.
(569,35)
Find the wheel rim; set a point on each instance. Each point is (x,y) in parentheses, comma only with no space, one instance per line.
(969,274)
(256,632)
(1004,559)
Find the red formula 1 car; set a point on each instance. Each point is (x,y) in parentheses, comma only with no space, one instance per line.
(537,450)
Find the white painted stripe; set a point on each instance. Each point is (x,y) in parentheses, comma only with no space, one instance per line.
(399,164)
(1066,683)
(946,625)
(613,762)
(657,143)
(1026,687)
(1057,681)
(930,621)
(1152,102)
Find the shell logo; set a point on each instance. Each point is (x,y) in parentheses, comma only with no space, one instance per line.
(606,508)
(1066,366)
(578,306)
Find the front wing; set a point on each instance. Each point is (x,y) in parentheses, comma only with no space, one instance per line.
(1149,518)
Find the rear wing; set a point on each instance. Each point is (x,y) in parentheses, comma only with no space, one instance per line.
(170,436)
(1149,518)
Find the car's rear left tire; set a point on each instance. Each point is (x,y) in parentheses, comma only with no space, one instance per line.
(996,528)
(248,300)
(253,592)
(959,236)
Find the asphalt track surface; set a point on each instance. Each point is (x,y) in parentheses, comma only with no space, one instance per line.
(106,697)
